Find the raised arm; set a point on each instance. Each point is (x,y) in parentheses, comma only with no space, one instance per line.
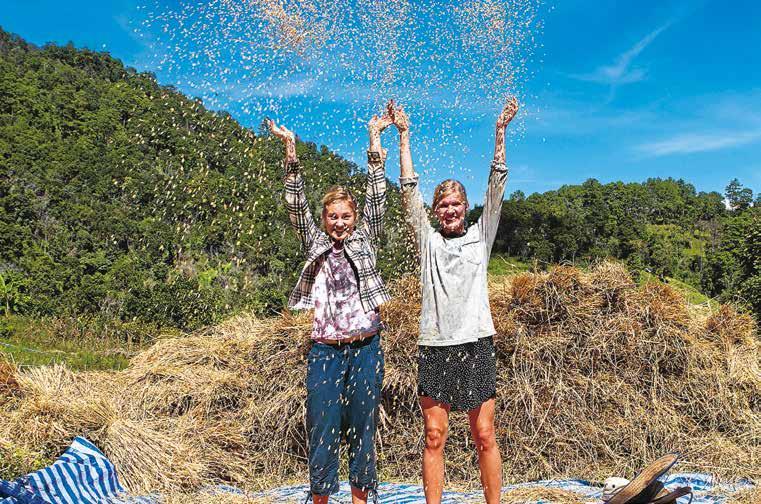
(375,195)
(295,198)
(495,192)
(412,201)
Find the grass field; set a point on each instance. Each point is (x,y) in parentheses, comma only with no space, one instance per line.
(500,265)
(29,342)
(690,293)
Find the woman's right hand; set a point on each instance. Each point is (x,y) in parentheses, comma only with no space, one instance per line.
(281,132)
(399,117)
(286,136)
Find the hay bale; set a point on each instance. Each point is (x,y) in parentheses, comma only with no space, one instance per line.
(661,307)
(731,327)
(559,297)
(53,405)
(596,376)
(8,384)
(612,281)
(150,459)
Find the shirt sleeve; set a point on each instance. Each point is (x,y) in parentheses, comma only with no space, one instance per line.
(495,193)
(414,211)
(375,196)
(298,208)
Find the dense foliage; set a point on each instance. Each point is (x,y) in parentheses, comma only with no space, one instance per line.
(663,227)
(130,203)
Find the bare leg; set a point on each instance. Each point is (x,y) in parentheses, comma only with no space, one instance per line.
(489,461)
(436,419)
(358,496)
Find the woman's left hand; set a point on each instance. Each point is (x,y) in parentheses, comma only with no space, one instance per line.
(378,124)
(281,132)
(376,127)
(511,107)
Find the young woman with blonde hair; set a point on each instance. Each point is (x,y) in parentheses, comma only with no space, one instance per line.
(456,359)
(341,282)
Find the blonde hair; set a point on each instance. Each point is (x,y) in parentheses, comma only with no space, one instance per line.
(338,193)
(447,187)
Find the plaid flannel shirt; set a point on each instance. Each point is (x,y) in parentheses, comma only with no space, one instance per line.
(360,246)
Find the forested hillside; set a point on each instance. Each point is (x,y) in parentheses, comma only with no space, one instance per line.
(129,203)
(661,227)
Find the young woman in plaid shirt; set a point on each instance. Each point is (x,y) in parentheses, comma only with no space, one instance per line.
(341,282)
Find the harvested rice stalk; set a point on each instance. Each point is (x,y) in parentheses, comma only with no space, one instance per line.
(531,495)
(207,498)
(595,376)
(8,384)
(149,460)
(750,496)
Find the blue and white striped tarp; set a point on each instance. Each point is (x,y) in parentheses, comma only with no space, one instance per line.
(81,475)
(707,491)
(84,475)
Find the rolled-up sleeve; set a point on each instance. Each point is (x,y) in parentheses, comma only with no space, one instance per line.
(495,193)
(415,214)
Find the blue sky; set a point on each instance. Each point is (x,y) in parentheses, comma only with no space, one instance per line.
(612,91)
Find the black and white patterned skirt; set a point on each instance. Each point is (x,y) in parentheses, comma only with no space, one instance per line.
(463,376)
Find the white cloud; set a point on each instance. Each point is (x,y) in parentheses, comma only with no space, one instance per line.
(561,116)
(690,143)
(621,71)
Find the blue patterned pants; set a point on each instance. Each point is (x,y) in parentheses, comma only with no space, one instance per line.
(343,394)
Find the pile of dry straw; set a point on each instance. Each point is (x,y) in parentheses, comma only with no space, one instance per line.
(596,377)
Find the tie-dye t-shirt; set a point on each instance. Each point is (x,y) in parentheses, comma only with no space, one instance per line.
(338,311)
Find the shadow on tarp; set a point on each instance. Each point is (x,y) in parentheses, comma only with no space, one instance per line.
(84,475)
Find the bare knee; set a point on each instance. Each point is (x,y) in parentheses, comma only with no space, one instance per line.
(485,437)
(435,437)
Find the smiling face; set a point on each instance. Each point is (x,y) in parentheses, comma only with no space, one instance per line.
(450,211)
(338,218)
(450,204)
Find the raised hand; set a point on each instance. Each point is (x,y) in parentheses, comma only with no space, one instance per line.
(288,138)
(281,132)
(378,124)
(402,123)
(511,107)
(399,117)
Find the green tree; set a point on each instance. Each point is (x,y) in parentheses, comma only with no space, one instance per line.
(750,262)
(740,198)
(12,293)
(124,199)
